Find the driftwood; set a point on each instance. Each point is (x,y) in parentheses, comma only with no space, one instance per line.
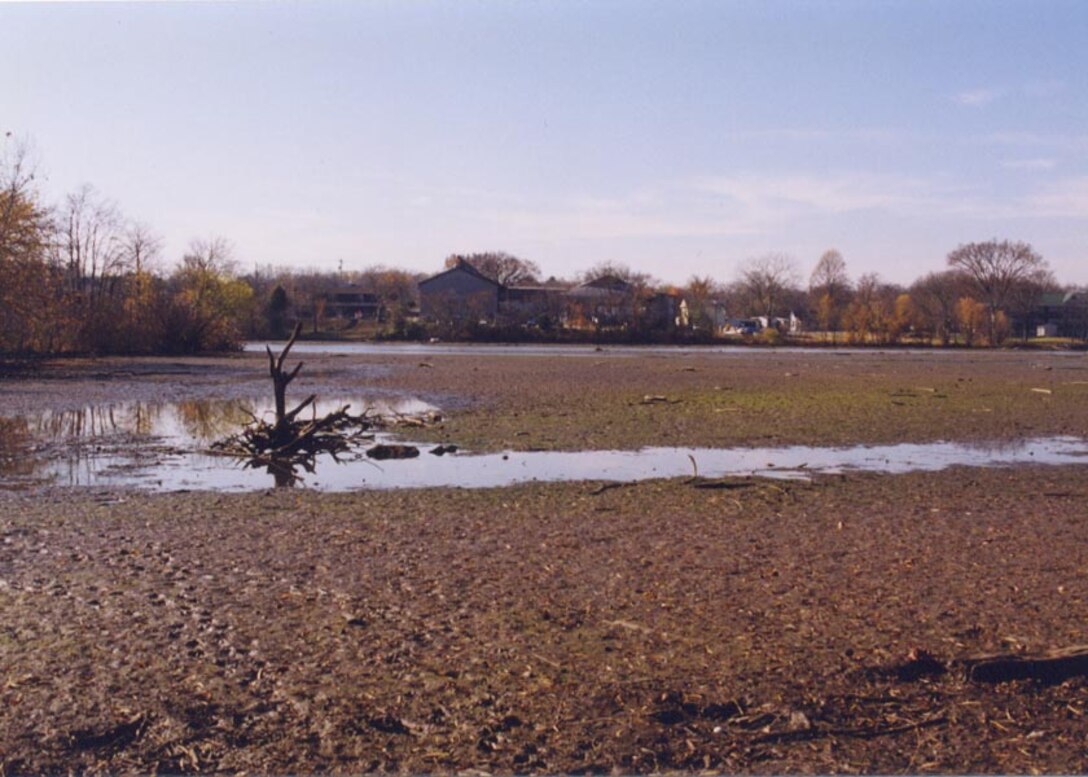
(289,443)
(1051,667)
(383,452)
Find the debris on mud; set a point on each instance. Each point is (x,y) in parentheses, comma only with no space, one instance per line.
(289,443)
(658,399)
(383,452)
(1055,666)
(289,440)
(918,664)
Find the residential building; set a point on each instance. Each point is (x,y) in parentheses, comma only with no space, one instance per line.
(460,294)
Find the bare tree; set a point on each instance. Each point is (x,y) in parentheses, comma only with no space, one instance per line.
(140,250)
(140,246)
(829,276)
(996,267)
(767,281)
(829,290)
(209,255)
(501,267)
(89,248)
(868,288)
(89,254)
(935,296)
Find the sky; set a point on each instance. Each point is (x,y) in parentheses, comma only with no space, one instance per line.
(680,138)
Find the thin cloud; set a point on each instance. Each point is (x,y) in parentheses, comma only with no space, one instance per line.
(1066,199)
(1030,164)
(830,194)
(1039,140)
(751,206)
(977,98)
(1044,89)
(713,206)
(868,135)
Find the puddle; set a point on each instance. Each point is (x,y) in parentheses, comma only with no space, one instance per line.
(156,447)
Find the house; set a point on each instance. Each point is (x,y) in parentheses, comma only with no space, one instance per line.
(351,303)
(463,295)
(607,301)
(460,294)
(665,310)
(710,315)
(1062,313)
(531,305)
(785,324)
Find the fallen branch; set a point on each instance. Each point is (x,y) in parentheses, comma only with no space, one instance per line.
(1052,667)
(862,732)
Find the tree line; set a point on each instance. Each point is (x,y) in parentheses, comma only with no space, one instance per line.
(79,277)
(990,291)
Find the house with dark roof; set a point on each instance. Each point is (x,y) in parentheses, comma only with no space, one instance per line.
(351,303)
(1062,314)
(607,301)
(459,294)
(540,305)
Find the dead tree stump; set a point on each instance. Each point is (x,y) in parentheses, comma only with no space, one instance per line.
(280,381)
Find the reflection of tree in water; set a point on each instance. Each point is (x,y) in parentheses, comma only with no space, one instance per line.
(285,473)
(201,420)
(209,420)
(14,438)
(98,421)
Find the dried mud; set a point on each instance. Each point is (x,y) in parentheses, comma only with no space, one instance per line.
(757,398)
(572,628)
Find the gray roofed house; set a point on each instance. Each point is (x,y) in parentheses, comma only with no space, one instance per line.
(461,293)
(1063,313)
(605,301)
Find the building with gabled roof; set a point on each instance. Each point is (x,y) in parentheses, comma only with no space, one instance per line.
(459,294)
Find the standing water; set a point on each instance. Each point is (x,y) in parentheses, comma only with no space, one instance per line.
(164,447)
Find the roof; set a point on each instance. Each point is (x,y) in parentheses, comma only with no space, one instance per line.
(350,291)
(461,266)
(608,282)
(1056,299)
(604,287)
(533,291)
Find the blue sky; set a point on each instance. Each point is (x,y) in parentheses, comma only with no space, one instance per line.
(680,138)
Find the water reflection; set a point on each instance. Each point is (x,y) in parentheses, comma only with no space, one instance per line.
(184,422)
(606,350)
(165,446)
(15,446)
(132,443)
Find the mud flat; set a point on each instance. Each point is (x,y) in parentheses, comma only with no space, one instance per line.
(741,625)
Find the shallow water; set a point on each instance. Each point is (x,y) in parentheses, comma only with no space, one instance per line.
(160,447)
(572,350)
